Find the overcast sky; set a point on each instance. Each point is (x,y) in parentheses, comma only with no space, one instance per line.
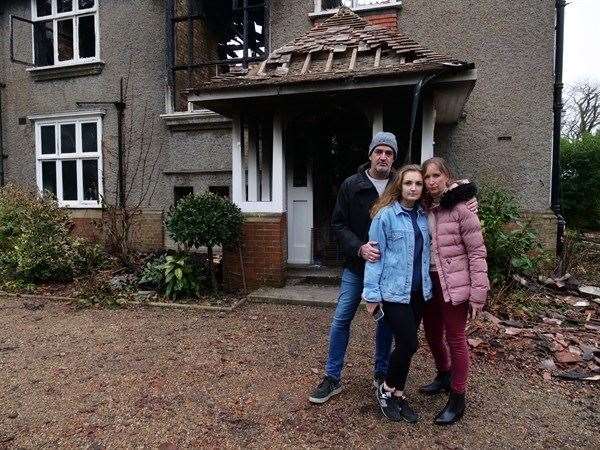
(582,41)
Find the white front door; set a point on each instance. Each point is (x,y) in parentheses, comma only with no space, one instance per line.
(300,210)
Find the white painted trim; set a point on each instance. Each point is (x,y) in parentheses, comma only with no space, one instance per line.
(278,169)
(377,118)
(68,115)
(252,166)
(319,12)
(428,129)
(324,86)
(237,193)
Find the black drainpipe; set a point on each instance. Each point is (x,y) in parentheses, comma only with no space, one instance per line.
(558,107)
(417,98)
(2,156)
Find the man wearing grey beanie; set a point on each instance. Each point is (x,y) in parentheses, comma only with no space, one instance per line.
(350,221)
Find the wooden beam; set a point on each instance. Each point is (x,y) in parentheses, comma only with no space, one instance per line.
(306,64)
(353,59)
(377,58)
(329,62)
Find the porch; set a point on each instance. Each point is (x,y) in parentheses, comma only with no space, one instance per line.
(302,121)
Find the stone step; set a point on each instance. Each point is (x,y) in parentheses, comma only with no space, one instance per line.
(296,294)
(315,275)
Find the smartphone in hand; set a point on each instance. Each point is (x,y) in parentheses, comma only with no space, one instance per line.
(378,313)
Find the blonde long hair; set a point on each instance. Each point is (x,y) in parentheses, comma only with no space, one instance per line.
(393,191)
(443,167)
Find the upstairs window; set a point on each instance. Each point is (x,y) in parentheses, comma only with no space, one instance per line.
(324,5)
(214,37)
(65,32)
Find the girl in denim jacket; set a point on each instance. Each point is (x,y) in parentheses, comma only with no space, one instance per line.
(399,282)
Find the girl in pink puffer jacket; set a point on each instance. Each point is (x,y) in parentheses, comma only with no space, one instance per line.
(459,279)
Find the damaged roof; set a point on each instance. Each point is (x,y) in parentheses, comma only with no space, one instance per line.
(343,46)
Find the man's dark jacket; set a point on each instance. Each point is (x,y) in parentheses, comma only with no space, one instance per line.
(351,219)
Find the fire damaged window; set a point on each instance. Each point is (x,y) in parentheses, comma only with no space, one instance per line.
(214,37)
(64,31)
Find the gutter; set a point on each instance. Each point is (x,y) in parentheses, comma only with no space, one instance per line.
(2,155)
(417,99)
(558,107)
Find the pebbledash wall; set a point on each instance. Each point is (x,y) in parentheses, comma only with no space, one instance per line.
(504,137)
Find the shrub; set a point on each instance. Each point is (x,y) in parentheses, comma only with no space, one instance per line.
(205,220)
(35,240)
(153,273)
(181,278)
(580,178)
(512,246)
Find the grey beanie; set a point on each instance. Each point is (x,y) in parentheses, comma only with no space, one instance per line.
(384,138)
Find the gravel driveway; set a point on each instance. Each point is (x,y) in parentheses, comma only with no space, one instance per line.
(168,378)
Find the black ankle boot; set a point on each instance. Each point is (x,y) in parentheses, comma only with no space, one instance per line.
(453,411)
(440,383)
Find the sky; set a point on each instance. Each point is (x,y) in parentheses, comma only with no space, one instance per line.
(582,41)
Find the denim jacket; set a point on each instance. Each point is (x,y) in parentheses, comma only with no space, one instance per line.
(390,278)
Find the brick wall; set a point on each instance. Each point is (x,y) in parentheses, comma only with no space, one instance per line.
(387,19)
(264,253)
(148,233)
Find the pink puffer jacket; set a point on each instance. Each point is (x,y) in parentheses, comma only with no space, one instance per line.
(458,248)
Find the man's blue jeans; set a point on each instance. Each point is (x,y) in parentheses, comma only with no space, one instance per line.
(348,301)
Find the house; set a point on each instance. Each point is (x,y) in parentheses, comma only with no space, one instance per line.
(271,103)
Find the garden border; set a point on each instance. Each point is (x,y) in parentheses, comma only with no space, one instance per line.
(59,298)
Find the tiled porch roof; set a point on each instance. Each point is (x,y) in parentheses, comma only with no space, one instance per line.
(343,46)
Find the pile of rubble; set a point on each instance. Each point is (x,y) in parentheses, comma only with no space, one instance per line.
(562,339)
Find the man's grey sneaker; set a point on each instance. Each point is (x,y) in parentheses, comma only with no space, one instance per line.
(388,404)
(326,389)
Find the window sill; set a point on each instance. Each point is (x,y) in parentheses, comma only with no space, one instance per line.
(201,119)
(68,71)
(359,9)
(78,205)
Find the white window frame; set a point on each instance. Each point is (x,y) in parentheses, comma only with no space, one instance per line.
(356,7)
(55,17)
(79,156)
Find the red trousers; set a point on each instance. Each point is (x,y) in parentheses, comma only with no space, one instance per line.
(445,325)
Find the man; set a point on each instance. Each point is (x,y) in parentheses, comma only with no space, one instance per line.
(351,222)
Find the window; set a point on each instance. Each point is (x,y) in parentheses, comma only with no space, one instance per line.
(180,192)
(65,32)
(214,37)
(221,191)
(324,5)
(69,160)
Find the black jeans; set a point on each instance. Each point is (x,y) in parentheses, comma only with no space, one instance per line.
(404,321)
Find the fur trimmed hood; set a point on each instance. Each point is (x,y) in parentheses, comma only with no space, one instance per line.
(459,191)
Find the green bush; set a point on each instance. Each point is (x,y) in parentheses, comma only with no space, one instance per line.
(153,273)
(512,246)
(580,178)
(35,240)
(205,220)
(181,278)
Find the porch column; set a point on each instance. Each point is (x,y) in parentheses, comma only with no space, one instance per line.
(377,117)
(237,172)
(253,165)
(427,134)
(278,170)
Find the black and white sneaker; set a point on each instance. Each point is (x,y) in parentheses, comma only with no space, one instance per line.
(406,412)
(388,404)
(378,379)
(326,389)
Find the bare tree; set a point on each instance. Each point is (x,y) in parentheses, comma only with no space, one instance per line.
(141,154)
(582,110)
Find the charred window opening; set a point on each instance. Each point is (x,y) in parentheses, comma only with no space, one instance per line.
(211,38)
